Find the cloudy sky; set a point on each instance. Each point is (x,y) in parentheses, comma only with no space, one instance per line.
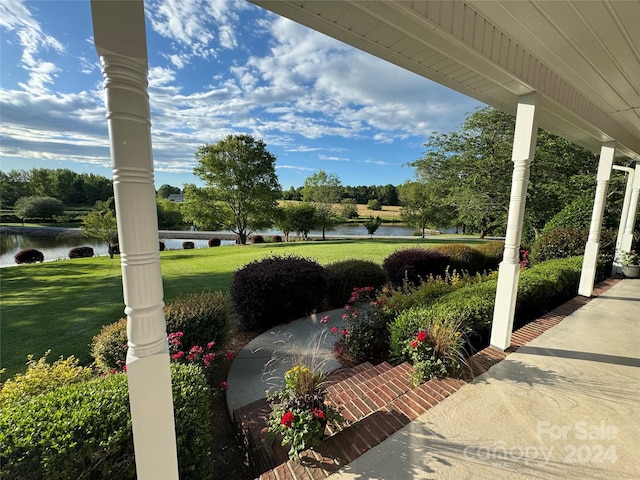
(216,67)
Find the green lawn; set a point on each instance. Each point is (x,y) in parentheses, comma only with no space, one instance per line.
(61,305)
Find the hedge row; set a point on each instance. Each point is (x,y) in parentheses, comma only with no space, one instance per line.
(84,430)
(540,289)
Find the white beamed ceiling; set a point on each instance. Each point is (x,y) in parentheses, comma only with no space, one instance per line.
(582,56)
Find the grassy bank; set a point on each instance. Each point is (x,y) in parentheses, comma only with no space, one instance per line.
(62,305)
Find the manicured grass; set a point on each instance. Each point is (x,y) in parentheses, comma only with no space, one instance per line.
(61,305)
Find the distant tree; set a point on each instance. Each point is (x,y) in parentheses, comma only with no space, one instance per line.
(100,223)
(323,190)
(297,217)
(38,208)
(242,186)
(165,190)
(372,225)
(292,194)
(349,208)
(13,185)
(169,215)
(388,195)
(423,205)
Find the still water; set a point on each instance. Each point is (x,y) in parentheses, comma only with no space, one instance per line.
(57,248)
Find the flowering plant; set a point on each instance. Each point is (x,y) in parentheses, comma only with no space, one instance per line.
(300,411)
(630,258)
(436,351)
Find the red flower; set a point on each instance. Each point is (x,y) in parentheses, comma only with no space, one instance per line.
(414,344)
(230,355)
(287,419)
(211,344)
(318,413)
(224,385)
(178,356)
(208,358)
(422,336)
(334,329)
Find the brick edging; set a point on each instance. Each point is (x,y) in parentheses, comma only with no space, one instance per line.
(345,446)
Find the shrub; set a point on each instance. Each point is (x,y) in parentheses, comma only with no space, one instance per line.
(492,253)
(275,289)
(161,246)
(374,204)
(81,252)
(109,347)
(41,377)
(559,243)
(84,430)
(276,238)
(345,275)
(28,255)
(188,245)
(463,258)
(413,264)
(540,289)
(256,239)
(214,242)
(201,317)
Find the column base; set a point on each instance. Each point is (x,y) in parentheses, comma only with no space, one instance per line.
(506,295)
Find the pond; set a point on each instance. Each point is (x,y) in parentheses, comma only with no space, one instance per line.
(57,247)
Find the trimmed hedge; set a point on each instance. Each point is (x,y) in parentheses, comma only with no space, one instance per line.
(414,264)
(188,245)
(109,347)
(559,242)
(28,255)
(84,430)
(256,239)
(214,242)
(346,275)
(81,252)
(463,258)
(277,289)
(540,289)
(493,253)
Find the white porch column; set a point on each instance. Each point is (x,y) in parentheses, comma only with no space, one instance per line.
(627,236)
(120,38)
(524,145)
(588,274)
(617,268)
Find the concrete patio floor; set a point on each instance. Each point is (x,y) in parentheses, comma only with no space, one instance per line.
(566,405)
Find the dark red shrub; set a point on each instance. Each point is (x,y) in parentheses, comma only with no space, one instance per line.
(256,239)
(413,264)
(276,239)
(28,255)
(162,246)
(81,252)
(214,242)
(188,245)
(463,258)
(277,289)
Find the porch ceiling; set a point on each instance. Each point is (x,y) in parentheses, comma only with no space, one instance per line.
(582,56)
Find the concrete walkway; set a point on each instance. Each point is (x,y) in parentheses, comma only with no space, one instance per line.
(566,405)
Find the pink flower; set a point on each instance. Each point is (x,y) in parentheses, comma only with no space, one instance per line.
(422,336)
(196,350)
(324,319)
(229,355)
(224,385)
(318,413)
(414,344)
(208,358)
(287,419)
(178,355)
(211,344)
(345,316)
(344,332)
(340,349)
(124,368)
(334,329)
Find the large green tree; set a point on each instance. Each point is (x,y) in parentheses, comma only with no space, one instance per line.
(242,186)
(323,190)
(40,208)
(424,205)
(296,217)
(472,168)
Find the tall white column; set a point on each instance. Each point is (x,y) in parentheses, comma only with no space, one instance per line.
(627,236)
(589,261)
(524,145)
(617,267)
(120,39)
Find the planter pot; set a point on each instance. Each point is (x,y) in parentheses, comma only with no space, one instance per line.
(631,271)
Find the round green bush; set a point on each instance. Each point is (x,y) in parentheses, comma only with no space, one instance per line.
(109,347)
(463,258)
(277,289)
(413,265)
(492,253)
(84,430)
(346,275)
(559,242)
(202,317)
(81,252)
(28,255)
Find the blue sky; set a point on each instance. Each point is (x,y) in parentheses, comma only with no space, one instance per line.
(215,68)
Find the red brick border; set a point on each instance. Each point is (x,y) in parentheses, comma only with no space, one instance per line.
(406,405)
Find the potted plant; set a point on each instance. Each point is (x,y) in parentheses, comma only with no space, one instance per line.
(300,411)
(630,262)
